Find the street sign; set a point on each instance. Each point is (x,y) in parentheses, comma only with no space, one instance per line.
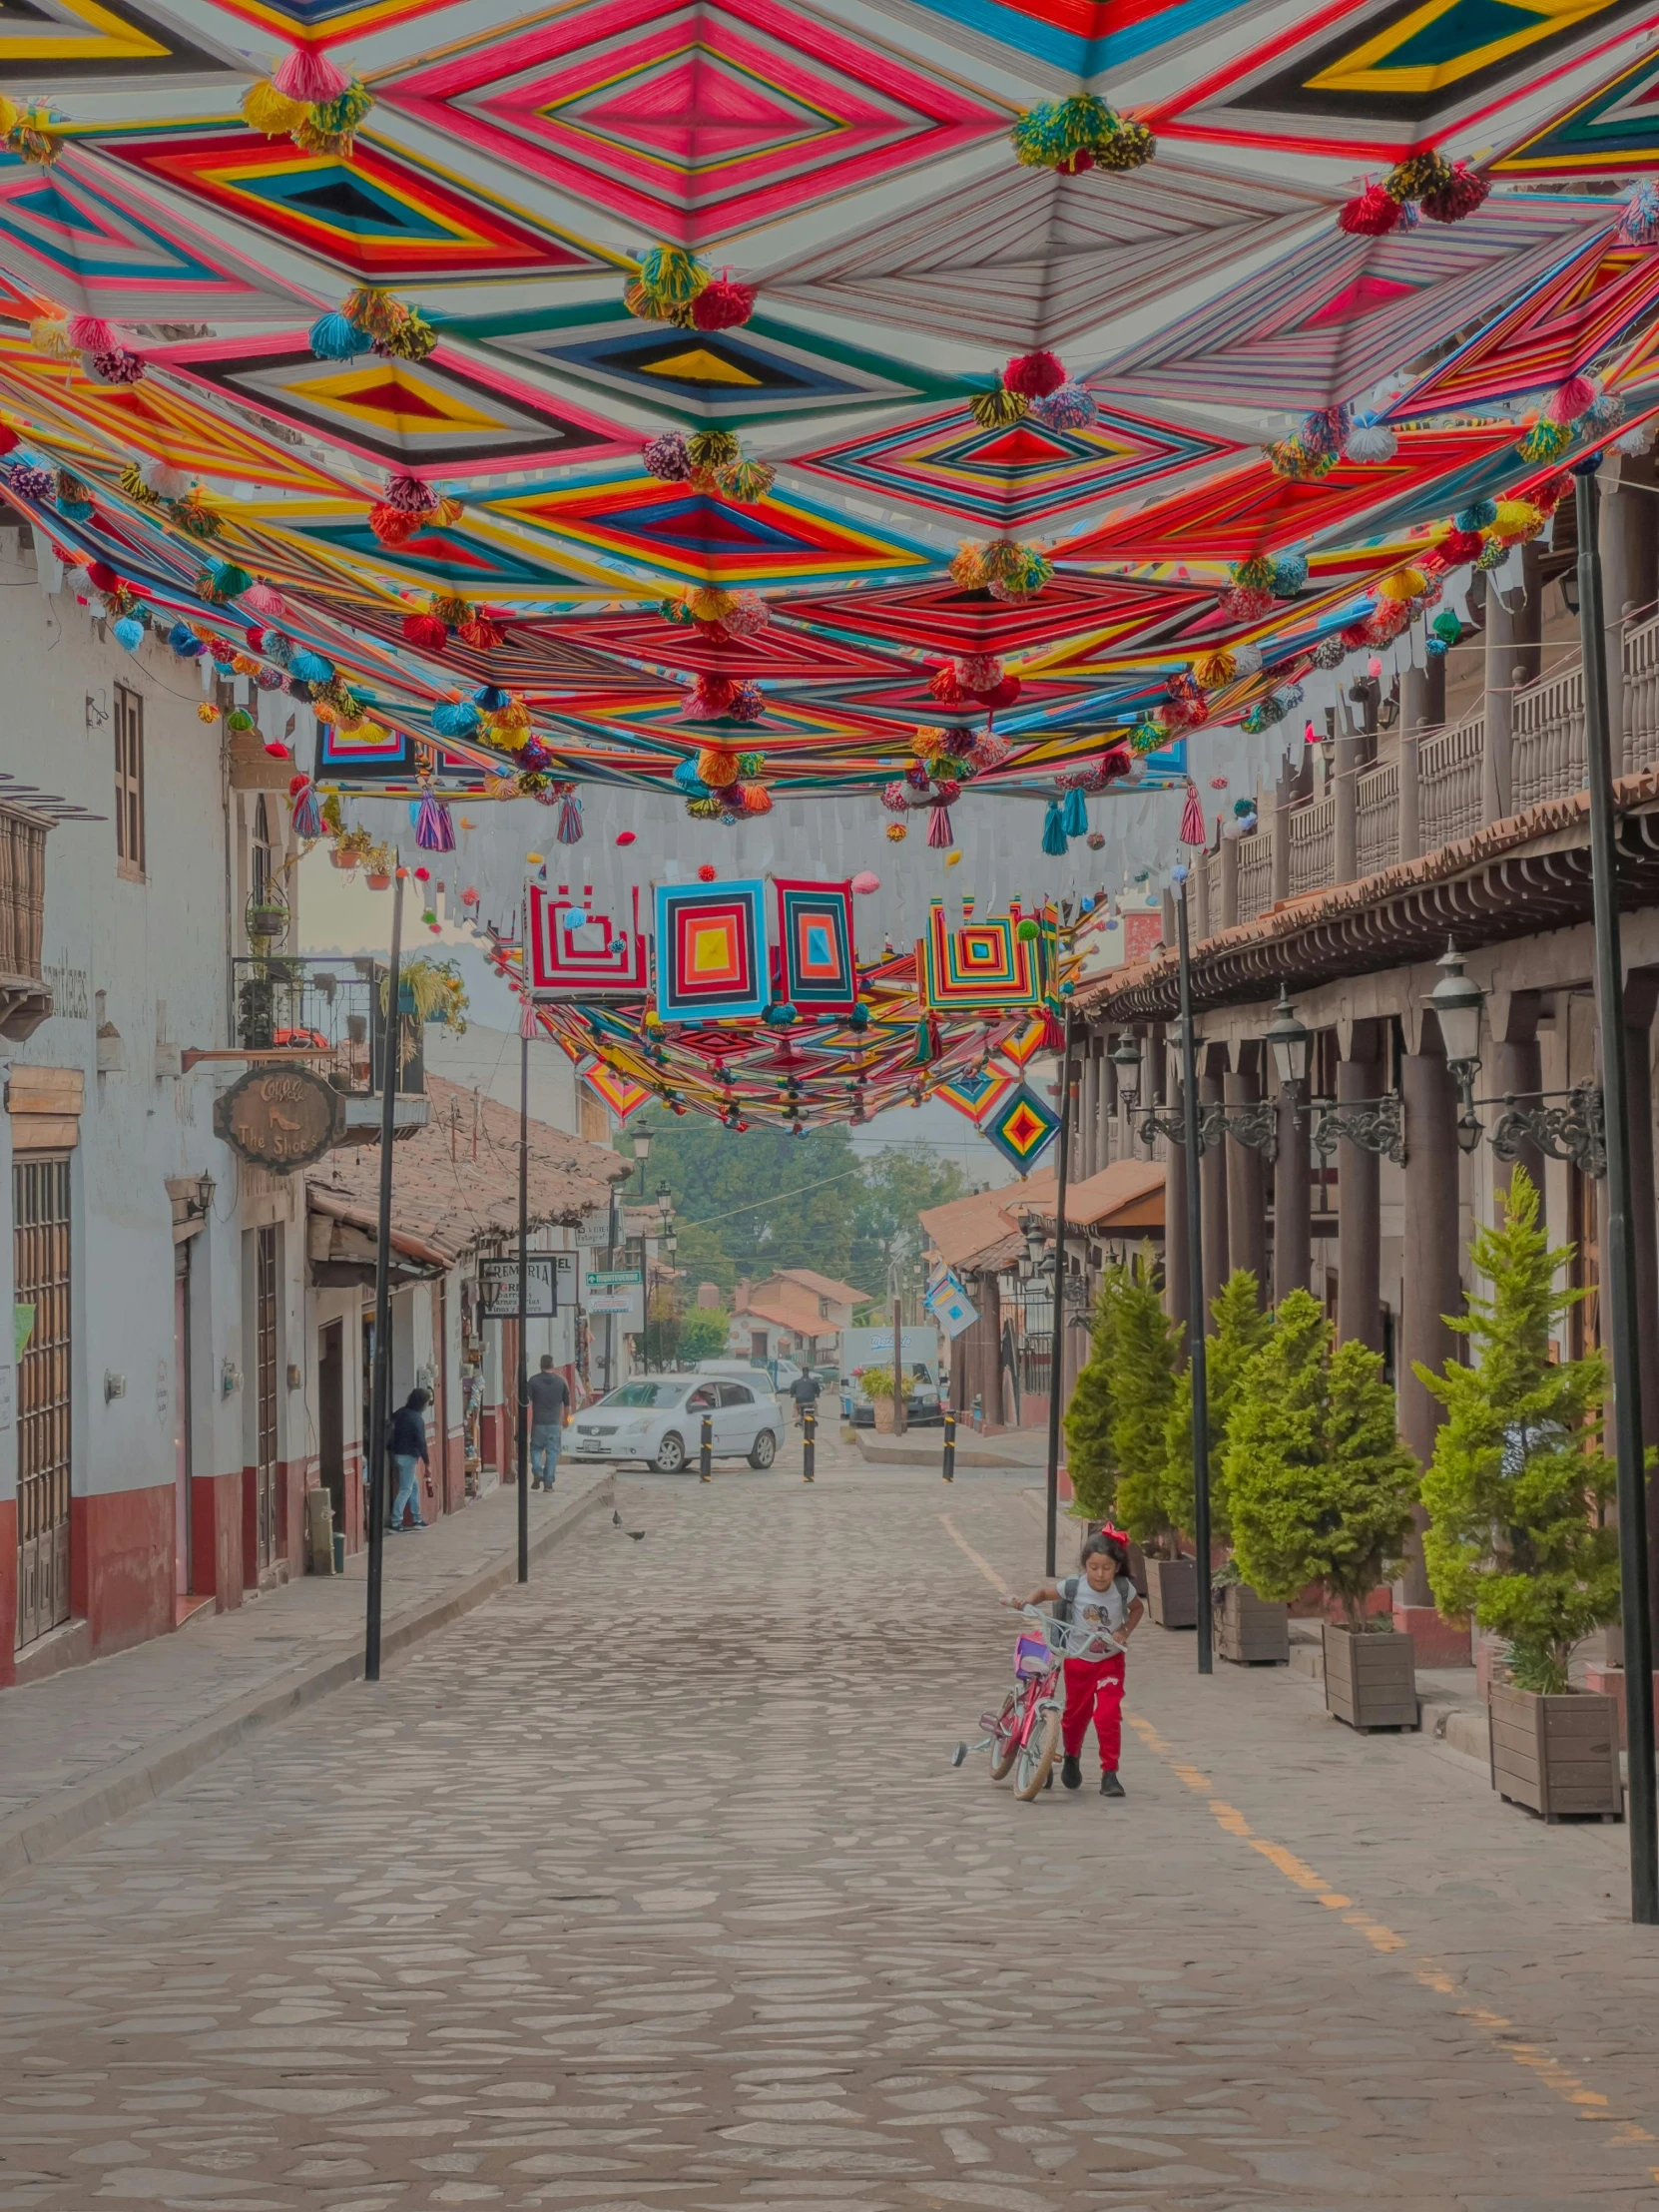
(610,1279)
(610,1301)
(550,1282)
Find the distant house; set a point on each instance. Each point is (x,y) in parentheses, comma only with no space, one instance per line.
(794,1314)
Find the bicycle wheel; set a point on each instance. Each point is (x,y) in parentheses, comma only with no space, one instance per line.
(1005,1735)
(1037,1755)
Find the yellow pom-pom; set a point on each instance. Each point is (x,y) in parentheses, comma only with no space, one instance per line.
(271,112)
(929,744)
(1403,584)
(1212,670)
(49,334)
(895,833)
(533,860)
(207,712)
(710,604)
(10,115)
(950,858)
(1515,521)
(968,569)
(653,1020)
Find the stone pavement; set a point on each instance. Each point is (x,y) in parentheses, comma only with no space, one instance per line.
(652,1884)
(84,1745)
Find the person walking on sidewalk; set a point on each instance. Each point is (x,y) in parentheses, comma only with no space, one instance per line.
(549,1403)
(1104,1609)
(409,1452)
(806,1390)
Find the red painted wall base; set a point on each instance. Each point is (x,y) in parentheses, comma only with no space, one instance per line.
(121,1551)
(216,1539)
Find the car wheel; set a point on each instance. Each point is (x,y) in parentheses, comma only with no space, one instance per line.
(671,1454)
(763,1450)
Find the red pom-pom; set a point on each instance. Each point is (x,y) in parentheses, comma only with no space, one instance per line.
(90,333)
(254,640)
(9,438)
(723,306)
(297,784)
(278,750)
(944,687)
(101,574)
(1548,495)
(1117,762)
(1570,401)
(392,525)
(1004,695)
(626,836)
(1074,165)
(309,77)
(425,632)
(1034,375)
(1372,216)
(482,632)
(706,874)
(1458,547)
(410,494)
(1354,635)
(1459,196)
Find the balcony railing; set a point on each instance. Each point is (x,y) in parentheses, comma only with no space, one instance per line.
(1449,766)
(1547,738)
(333,1008)
(1376,823)
(1312,851)
(1641,695)
(1255,874)
(25,999)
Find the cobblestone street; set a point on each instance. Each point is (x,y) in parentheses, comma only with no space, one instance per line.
(653,1885)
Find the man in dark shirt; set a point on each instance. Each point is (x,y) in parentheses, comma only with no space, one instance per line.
(805,1390)
(407,1445)
(549,1397)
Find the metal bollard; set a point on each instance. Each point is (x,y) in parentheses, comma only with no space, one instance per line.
(706,1451)
(949,1446)
(809,1444)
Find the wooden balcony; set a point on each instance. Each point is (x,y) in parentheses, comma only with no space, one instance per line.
(25,996)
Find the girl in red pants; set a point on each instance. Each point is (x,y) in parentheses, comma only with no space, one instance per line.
(1103,1606)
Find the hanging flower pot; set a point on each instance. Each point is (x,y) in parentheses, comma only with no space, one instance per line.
(342,858)
(378,879)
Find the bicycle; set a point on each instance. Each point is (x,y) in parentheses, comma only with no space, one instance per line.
(1023,1736)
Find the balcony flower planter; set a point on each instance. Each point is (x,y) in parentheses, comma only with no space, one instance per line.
(377,881)
(342,858)
(882,1408)
(1557,1754)
(1371,1678)
(267,922)
(1252,1631)
(1172,1593)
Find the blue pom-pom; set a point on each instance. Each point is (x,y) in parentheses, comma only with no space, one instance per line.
(860,1016)
(1478,517)
(686,778)
(1434,647)
(489,699)
(311,668)
(183,642)
(128,631)
(780,1013)
(1290,573)
(454,717)
(336,338)
(1179,873)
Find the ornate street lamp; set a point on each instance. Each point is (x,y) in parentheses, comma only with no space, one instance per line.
(1455,1002)
(1290,1043)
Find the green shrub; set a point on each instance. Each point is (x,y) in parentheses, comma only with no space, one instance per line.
(1091,1459)
(1242,1328)
(1148,1350)
(1320,1486)
(1518,1485)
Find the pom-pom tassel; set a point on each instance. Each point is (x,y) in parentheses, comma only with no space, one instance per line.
(1570,401)
(307,816)
(435,829)
(723,305)
(1192,818)
(1054,829)
(1639,220)
(90,333)
(1034,375)
(270,112)
(938,830)
(1459,196)
(570,819)
(1074,816)
(998,409)
(1372,215)
(336,338)
(309,77)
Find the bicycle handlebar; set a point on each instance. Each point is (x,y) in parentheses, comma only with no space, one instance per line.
(1067,1631)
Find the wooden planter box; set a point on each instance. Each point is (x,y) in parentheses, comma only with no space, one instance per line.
(1172,1593)
(1558,1754)
(1370,1680)
(1252,1631)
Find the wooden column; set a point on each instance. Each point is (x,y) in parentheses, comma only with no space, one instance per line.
(1496,772)
(1089,1132)
(1358,1218)
(1177,1286)
(1213,1191)
(1228,858)
(1246,1211)
(1431,1282)
(1517,1067)
(1291,1202)
(1414,721)
(1346,837)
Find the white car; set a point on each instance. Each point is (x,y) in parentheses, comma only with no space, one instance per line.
(659,1418)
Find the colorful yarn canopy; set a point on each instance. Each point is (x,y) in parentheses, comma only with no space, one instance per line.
(676,372)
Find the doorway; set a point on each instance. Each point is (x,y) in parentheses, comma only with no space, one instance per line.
(182,1579)
(265,1396)
(331,1416)
(40,1265)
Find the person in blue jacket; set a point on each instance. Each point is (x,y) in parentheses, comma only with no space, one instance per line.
(408,1453)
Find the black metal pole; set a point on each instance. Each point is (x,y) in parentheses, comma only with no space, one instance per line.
(379,1387)
(1057,1337)
(1621,1282)
(706,1451)
(1195,1291)
(809,1444)
(524,1297)
(950,1468)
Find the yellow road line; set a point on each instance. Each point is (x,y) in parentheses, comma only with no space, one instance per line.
(985,1568)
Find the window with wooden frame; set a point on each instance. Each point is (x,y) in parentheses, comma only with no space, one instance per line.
(128,784)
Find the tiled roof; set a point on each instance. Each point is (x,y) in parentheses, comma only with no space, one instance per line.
(1128,1194)
(788,1307)
(825,1286)
(454,1184)
(982,1232)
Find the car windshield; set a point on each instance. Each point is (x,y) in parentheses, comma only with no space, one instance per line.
(645,1393)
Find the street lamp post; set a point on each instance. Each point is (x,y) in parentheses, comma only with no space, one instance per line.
(1195,1276)
(1621,1283)
(380,1384)
(1056,1357)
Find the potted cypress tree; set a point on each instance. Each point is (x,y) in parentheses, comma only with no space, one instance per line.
(1321,1490)
(1146,1354)
(1518,1493)
(1091,1461)
(1241,1330)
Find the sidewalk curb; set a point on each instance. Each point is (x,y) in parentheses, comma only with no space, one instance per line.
(66,1816)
